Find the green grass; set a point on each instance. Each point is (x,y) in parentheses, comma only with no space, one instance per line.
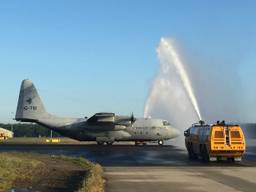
(14,167)
(93,182)
(22,166)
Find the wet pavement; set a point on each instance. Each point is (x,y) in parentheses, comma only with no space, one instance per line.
(128,155)
(156,168)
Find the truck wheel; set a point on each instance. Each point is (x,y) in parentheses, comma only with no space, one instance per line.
(192,156)
(191,153)
(205,154)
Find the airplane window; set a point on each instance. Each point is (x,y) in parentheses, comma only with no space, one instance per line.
(166,123)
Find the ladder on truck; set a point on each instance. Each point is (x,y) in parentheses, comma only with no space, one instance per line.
(227,137)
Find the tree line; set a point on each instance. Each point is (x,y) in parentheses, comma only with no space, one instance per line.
(28,130)
(34,130)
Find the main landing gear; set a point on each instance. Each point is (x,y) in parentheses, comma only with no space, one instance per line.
(105,143)
(160,143)
(140,143)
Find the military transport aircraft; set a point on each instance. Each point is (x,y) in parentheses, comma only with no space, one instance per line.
(104,128)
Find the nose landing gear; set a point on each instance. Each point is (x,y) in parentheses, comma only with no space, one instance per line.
(160,142)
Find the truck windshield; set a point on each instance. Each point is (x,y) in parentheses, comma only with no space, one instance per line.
(219,134)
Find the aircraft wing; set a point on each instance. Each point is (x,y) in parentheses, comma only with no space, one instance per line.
(110,121)
(102,118)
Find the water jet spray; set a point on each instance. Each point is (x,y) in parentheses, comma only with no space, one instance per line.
(172,87)
(183,75)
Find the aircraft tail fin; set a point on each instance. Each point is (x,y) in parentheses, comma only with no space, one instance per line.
(30,107)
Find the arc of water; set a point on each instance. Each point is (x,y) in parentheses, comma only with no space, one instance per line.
(176,61)
(183,75)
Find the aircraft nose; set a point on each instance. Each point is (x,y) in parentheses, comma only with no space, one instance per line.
(176,132)
(173,132)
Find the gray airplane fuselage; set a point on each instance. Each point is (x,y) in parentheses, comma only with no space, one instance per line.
(143,129)
(102,127)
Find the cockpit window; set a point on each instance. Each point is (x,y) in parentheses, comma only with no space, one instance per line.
(166,123)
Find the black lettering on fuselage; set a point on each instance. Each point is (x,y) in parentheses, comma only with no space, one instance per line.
(32,108)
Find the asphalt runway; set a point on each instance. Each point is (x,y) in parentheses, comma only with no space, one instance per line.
(156,168)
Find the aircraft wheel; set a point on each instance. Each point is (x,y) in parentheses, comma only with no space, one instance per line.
(109,143)
(100,142)
(136,143)
(160,142)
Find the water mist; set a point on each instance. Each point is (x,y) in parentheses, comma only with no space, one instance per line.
(171,95)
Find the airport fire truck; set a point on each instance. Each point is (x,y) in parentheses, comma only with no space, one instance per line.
(219,141)
(5,134)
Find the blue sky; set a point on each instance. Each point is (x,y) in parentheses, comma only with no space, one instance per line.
(91,56)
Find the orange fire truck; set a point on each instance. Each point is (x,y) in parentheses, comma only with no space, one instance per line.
(219,141)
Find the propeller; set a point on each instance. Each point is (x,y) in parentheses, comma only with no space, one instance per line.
(133,119)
